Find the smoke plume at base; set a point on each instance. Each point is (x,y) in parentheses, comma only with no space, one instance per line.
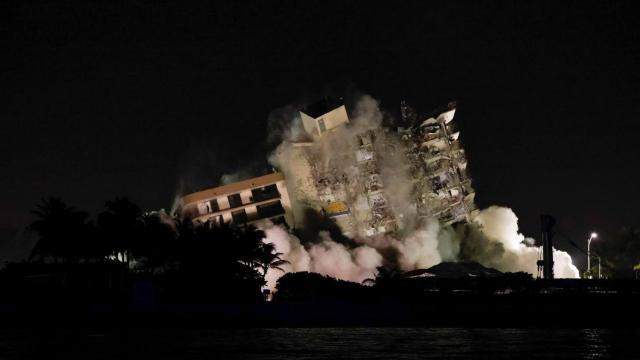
(492,240)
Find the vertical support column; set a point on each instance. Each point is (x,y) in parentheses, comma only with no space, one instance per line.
(547,222)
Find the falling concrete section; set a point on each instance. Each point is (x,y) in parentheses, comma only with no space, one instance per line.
(374,180)
(442,185)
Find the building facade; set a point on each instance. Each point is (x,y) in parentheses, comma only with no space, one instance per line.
(368,180)
(323,116)
(372,180)
(243,202)
(442,185)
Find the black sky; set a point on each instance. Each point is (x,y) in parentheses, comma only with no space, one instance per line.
(133,97)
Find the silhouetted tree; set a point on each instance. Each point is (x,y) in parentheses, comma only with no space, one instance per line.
(249,246)
(63,232)
(308,286)
(251,250)
(206,261)
(120,224)
(267,258)
(155,243)
(205,246)
(213,263)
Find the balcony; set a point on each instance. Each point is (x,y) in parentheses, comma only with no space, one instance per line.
(239,216)
(265,193)
(270,209)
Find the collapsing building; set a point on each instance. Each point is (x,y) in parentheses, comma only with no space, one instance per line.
(367,178)
(357,174)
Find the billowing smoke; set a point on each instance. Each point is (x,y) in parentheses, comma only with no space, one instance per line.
(491,239)
(325,257)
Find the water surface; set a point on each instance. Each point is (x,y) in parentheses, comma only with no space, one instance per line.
(320,343)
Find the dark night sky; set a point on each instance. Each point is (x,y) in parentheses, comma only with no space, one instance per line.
(106,100)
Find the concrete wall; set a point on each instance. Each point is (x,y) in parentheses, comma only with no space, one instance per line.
(334,118)
(247,201)
(309,124)
(246,196)
(223,202)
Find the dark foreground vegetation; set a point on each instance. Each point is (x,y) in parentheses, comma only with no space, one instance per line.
(124,247)
(130,268)
(507,300)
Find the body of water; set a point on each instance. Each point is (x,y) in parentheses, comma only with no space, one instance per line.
(320,343)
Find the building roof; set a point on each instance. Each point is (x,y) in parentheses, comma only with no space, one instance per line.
(232,188)
(322,107)
(437,111)
(451,270)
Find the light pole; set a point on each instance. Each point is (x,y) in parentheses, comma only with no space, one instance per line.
(593,236)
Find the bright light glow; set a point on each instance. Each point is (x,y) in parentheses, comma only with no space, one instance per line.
(594,235)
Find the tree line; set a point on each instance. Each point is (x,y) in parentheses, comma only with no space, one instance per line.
(177,253)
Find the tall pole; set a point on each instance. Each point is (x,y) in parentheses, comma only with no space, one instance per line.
(547,222)
(589,256)
(593,236)
(599,275)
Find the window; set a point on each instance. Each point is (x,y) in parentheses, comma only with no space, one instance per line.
(270,209)
(235,200)
(322,126)
(213,206)
(239,216)
(265,193)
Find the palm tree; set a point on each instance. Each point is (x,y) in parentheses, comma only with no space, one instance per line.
(62,231)
(250,240)
(253,251)
(156,240)
(267,258)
